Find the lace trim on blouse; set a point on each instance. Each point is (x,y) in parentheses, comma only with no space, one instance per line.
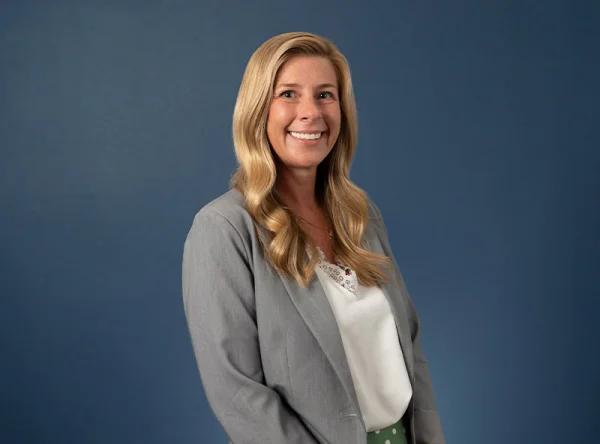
(341,274)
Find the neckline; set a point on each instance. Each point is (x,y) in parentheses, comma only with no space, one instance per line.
(336,263)
(343,276)
(323,257)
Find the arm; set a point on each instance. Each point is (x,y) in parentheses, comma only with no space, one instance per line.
(428,426)
(218,294)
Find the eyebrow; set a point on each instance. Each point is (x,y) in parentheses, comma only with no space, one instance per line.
(295,85)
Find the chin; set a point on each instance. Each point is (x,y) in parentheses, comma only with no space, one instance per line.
(303,163)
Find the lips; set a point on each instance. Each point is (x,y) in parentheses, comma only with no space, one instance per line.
(308,131)
(306,136)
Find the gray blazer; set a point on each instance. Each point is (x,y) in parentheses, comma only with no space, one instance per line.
(269,352)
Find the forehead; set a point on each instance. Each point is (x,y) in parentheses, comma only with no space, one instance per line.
(307,70)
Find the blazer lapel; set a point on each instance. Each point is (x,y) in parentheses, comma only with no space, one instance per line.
(396,299)
(313,306)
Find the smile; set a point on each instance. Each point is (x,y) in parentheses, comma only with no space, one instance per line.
(306,136)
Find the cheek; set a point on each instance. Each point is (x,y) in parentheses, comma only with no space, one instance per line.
(335,115)
(335,121)
(276,125)
(278,117)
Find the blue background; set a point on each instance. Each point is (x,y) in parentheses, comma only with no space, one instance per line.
(478,140)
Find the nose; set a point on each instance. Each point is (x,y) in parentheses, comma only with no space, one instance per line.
(309,109)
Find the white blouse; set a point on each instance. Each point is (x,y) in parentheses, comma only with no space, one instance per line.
(370,340)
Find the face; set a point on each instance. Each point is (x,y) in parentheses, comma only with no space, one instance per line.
(304,116)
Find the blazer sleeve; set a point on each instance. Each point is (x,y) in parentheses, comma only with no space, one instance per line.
(218,295)
(427,423)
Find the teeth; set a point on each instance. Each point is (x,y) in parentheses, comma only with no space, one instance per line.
(306,136)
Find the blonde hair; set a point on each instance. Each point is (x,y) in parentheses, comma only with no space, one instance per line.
(256,174)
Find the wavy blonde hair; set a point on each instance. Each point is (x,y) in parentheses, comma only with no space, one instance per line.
(336,193)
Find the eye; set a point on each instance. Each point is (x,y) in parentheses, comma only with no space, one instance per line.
(330,96)
(286,94)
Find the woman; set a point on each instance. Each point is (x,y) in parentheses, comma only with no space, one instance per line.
(301,323)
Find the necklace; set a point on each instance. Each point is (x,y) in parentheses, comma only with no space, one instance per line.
(329,232)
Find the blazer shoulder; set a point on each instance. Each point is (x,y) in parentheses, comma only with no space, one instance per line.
(230,205)
(228,209)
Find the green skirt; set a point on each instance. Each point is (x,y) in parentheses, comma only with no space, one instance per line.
(394,434)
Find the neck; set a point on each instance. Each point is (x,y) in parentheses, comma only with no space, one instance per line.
(297,188)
